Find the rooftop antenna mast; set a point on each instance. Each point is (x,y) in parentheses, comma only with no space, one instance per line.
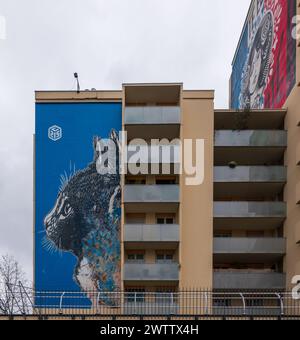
(77,80)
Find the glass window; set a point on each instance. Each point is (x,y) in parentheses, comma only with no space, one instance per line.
(139,257)
(223,234)
(164,257)
(134,295)
(166,181)
(165,220)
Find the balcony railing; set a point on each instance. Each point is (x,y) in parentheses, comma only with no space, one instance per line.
(151,272)
(244,174)
(139,115)
(162,154)
(250,246)
(151,193)
(151,233)
(250,138)
(249,280)
(249,210)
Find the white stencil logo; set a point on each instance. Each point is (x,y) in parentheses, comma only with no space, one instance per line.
(55,133)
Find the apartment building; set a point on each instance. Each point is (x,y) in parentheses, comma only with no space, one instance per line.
(151,230)
(158,251)
(239,229)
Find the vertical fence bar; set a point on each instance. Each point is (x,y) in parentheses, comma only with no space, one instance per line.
(244,304)
(60,303)
(281,303)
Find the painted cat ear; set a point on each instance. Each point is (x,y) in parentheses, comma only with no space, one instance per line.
(95,144)
(115,137)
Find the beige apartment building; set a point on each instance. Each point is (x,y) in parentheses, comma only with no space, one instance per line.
(238,230)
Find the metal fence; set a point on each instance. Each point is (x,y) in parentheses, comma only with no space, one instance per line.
(184,304)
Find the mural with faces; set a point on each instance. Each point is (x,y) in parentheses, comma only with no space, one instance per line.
(264,68)
(78,209)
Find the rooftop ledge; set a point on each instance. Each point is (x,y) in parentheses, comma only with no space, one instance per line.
(135,94)
(71,96)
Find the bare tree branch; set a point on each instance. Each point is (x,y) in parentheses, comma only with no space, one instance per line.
(11,274)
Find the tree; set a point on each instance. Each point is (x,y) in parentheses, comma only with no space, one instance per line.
(13,296)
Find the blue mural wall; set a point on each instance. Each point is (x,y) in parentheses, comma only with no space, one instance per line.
(77,230)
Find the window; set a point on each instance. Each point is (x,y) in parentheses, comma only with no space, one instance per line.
(165,181)
(223,234)
(136,257)
(165,220)
(135,181)
(163,257)
(135,295)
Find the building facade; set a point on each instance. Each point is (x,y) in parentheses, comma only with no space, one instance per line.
(237,230)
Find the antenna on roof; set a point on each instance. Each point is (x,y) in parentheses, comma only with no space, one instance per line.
(77,79)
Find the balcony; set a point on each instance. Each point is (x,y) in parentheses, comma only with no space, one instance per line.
(151,193)
(151,272)
(250,174)
(249,215)
(248,182)
(266,119)
(247,280)
(154,154)
(151,233)
(249,249)
(251,138)
(152,115)
(250,147)
(151,198)
(156,122)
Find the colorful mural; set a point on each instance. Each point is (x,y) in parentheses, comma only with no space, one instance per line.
(264,68)
(78,212)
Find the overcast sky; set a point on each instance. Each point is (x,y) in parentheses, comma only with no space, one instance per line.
(107,42)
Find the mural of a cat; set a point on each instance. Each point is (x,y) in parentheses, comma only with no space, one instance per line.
(85,221)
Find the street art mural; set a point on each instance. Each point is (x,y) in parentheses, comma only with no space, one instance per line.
(78,212)
(264,68)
